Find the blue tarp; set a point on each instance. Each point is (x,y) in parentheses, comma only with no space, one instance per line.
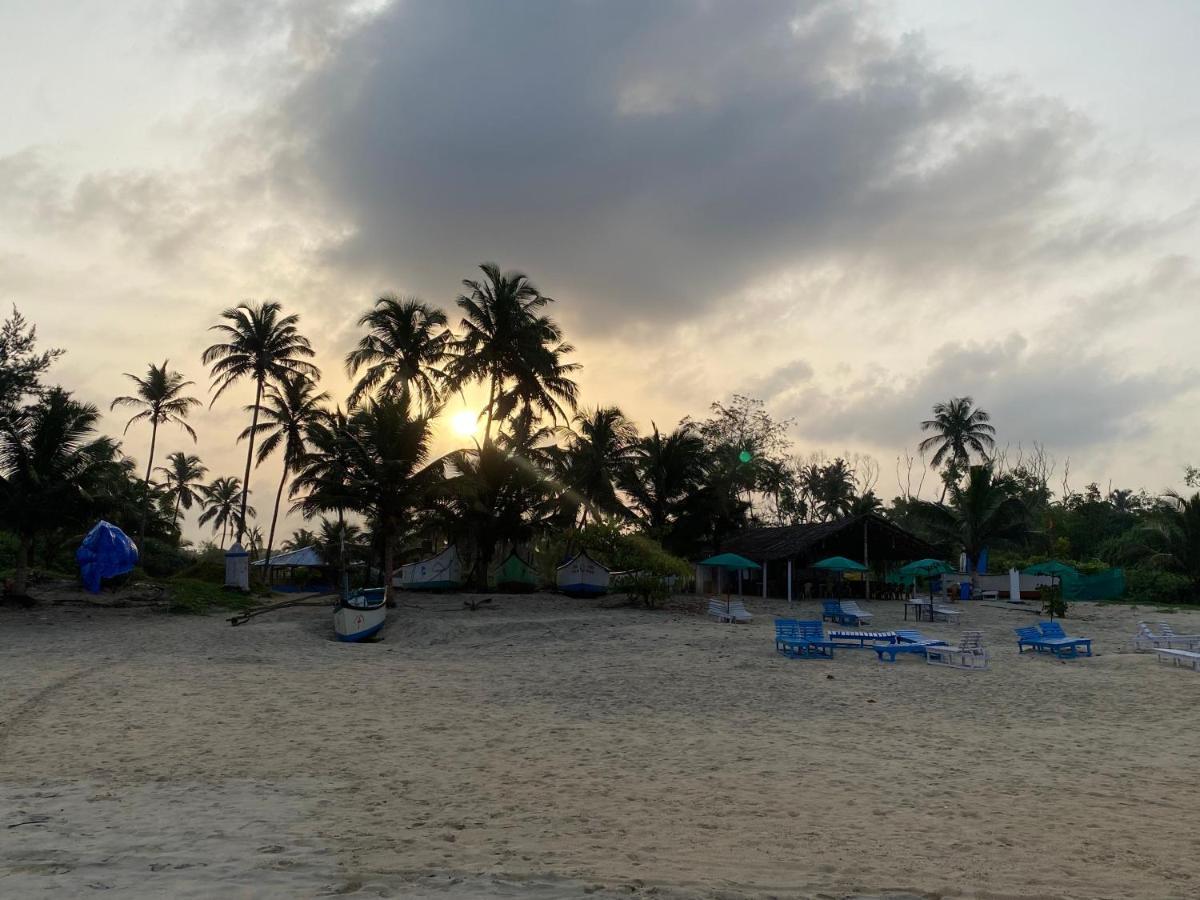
(106,552)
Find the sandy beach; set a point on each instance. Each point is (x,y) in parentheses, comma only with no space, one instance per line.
(549,747)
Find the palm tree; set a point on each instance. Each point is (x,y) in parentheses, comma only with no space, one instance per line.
(50,461)
(291,407)
(160,397)
(960,429)
(385,454)
(300,539)
(1170,536)
(253,541)
(597,452)
(510,346)
(981,511)
(261,345)
(183,481)
(663,470)
(407,343)
(223,507)
(831,488)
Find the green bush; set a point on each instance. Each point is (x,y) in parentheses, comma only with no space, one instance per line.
(1144,585)
(162,560)
(1053,603)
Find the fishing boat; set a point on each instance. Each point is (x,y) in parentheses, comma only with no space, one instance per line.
(582,576)
(514,575)
(360,615)
(443,572)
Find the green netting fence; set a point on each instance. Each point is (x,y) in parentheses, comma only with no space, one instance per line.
(1106,585)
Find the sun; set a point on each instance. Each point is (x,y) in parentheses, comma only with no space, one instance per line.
(464,422)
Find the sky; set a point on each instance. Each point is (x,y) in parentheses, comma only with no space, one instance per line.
(848,210)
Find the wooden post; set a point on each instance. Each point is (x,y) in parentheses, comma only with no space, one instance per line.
(789,580)
(866,560)
(764,579)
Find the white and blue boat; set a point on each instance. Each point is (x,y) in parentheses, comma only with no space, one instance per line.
(582,576)
(360,615)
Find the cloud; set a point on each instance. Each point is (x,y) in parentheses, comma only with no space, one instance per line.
(1066,398)
(652,158)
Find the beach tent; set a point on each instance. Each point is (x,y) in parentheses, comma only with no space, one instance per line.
(443,572)
(106,551)
(514,574)
(726,562)
(582,576)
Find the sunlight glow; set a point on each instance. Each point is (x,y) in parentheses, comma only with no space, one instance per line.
(464,423)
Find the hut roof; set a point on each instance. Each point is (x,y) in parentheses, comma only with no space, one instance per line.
(305,556)
(842,537)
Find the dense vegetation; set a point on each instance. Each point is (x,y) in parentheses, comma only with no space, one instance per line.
(549,476)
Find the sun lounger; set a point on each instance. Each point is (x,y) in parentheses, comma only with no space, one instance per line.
(1179,657)
(802,639)
(947,613)
(854,615)
(1051,638)
(844,612)
(733,611)
(852,639)
(969,654)
(1146,639)
(906,642)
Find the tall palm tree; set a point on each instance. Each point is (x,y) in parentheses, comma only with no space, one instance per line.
(407,344)
(223,507)
(597,452)
(959,429)
(291,407)
(160,397)
(831,487)
(183,480)
(982,511)
(262,345)
(388,472)
(663,470)
(51,459)
(507,344)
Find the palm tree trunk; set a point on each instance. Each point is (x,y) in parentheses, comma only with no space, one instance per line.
(21,574)
(274,516)
(389,561)
(487,428)
(175,518)
(146,488)
(241,522)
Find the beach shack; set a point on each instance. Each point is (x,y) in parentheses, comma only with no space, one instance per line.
(514,574)
(582,576)
(443,572)
(787,554)
(306,560)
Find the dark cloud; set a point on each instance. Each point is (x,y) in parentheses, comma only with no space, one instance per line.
(654,157)
(1066,398)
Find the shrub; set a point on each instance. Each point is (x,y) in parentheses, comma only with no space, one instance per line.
(162,560)
(1145,585)
(1053,602)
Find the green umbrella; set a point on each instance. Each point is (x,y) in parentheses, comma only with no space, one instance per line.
(733,562)
(839,564)
(928,568)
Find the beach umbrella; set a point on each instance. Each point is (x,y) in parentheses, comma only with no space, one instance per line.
(839,564)
(731,562)
(1053,568)
(927,568)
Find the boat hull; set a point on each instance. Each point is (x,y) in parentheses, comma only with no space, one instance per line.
(358,624)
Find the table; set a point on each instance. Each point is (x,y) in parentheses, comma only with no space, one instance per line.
(919,605)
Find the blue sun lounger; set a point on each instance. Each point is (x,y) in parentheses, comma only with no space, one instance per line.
(1051,637)
(802,640)
(847,613)
(906,642)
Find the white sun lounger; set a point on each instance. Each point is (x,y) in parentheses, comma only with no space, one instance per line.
(1146,639)
(1179,657)
(733,611)
(946,612)
(850,608)
(969,654)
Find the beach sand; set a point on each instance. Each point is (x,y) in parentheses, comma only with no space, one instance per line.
(547,747)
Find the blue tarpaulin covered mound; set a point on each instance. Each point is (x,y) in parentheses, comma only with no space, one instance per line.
(106,552)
